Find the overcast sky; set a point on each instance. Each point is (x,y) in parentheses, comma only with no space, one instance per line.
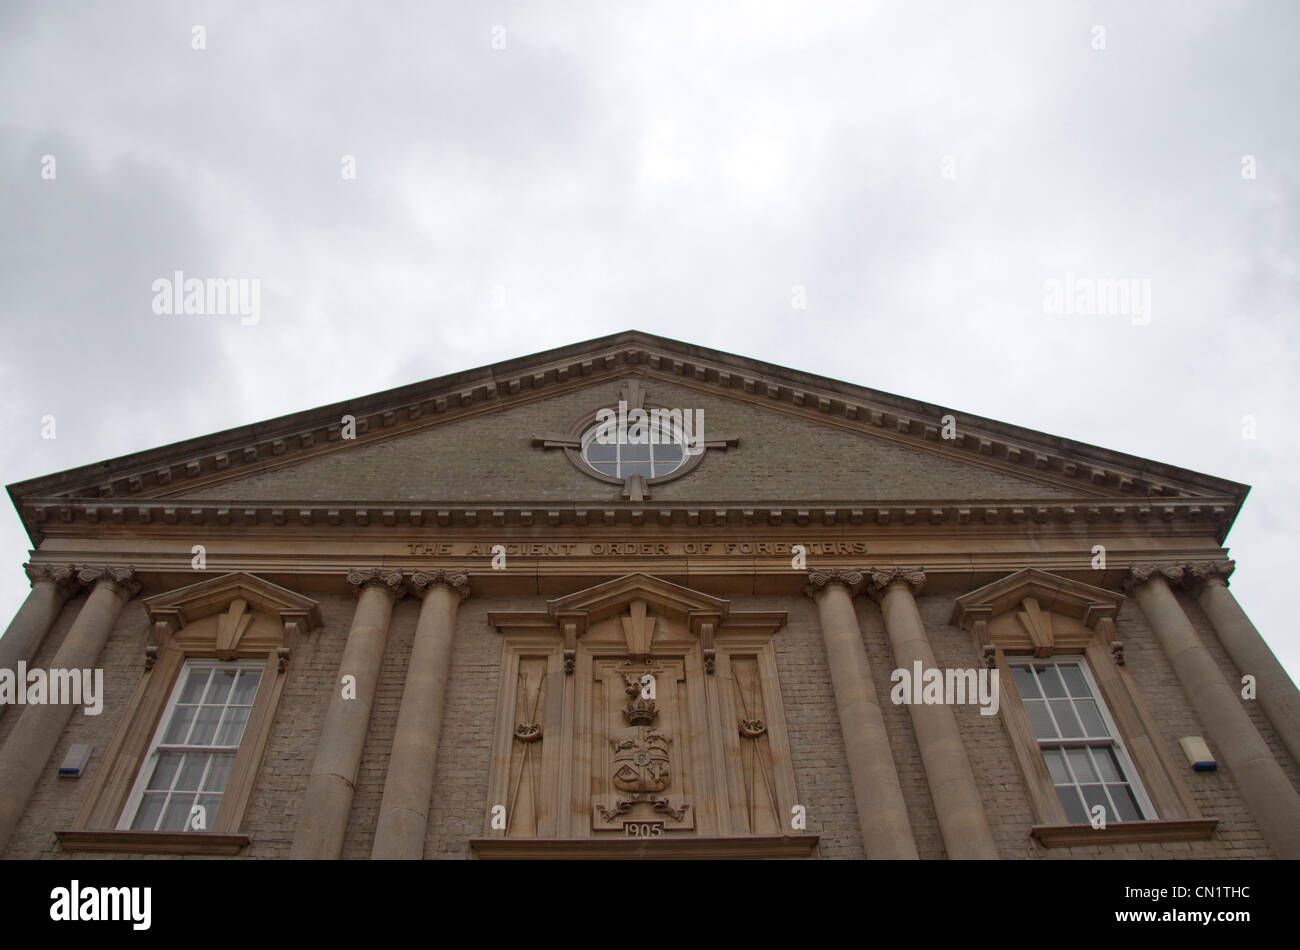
(531,175)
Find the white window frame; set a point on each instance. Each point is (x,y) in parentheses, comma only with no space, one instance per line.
(1131,776)
(652,430)
(164,723)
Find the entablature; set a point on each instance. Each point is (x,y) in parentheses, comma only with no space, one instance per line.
(1209,515)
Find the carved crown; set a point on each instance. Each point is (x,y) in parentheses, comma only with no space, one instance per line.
(640,712)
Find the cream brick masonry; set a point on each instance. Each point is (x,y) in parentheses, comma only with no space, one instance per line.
(757,762)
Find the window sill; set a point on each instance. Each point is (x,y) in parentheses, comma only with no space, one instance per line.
(153,842)
(1125,832)
(750,846)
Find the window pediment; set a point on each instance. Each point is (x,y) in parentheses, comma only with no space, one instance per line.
(237,614)
(640,600)
(1038,611)
(611,597)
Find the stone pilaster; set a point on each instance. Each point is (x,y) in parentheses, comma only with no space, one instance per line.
(408,787)
(882,810)
(957,801)
(52,585)
(39,728)
(327,802)
(1270,795)
(1276,693)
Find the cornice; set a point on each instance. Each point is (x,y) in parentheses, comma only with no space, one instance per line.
(235,453)
(44,515)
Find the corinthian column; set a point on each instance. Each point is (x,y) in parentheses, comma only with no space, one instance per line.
(1269,794)
(328,799)
(52,584)
(882,812)
(1276,693)
(39,728)
(408,788)
(957,801)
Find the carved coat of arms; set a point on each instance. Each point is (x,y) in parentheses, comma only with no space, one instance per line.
(642,765)
(641,761)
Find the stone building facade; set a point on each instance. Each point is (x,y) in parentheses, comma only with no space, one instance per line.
(475,618)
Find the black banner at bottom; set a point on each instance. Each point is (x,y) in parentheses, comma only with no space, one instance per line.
(366,900)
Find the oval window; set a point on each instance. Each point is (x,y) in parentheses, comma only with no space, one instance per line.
(656,453)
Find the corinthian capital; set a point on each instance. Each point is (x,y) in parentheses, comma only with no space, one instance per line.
(818,581)
(1139,574)
(62,576)
(424,581)
(1209,572)
(883,578)
(121,579)
(383,578)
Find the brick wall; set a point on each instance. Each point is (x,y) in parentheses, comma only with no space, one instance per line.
(817,752)
(310,680)
(481,459)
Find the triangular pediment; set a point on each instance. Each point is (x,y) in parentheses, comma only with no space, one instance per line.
(232,615)
(1038,611)
(638,600)
(495,437)
(214,595)
(1050,591)
(616,596)
(527,451)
